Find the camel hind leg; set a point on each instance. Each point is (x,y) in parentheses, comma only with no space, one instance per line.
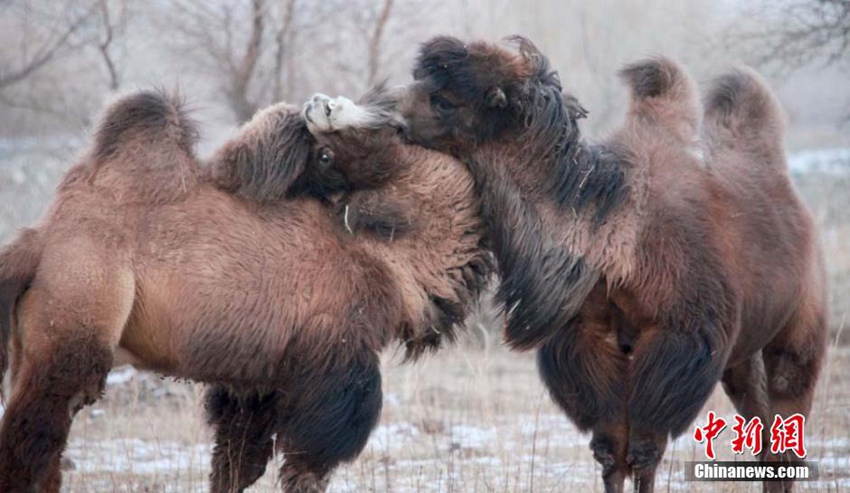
(792,362)
(55,382)
(68,325)
(244,425)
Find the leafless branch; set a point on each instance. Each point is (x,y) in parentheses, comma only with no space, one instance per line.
(375,41)
(50,50)
(243,72)
(797,34)
(103,45)
(285,40)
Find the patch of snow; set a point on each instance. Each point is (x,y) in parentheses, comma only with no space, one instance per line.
(392,399)
(473,436)
(121,375)
(824,161)
(393,436)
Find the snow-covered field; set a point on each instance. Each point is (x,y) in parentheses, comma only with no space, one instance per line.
(466,420)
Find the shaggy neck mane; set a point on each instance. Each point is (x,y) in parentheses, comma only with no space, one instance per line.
(578,176)
(543,284)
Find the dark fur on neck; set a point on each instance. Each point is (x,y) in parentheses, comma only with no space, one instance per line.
(580,175)
(543,285)
(588,176)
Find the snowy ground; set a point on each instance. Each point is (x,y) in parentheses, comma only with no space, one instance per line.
(467,420)
(834,162)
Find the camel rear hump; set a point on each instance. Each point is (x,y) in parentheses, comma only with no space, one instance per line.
(144,128)
(742,113)
(663,94)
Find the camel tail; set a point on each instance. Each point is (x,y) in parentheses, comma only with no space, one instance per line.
(142,122)
(19,262)
(742,114)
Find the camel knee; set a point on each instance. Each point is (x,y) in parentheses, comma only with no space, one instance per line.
(244,425)
(644,451)
(299,477)
(790,375)
(51,388)
(78,372)
(605,453)
(609,450)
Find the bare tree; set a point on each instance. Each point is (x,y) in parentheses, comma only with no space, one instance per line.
(53,58)
(110,22)
(796,33)
(242,70)
(375,41)
(59,40)
(212,34)
(285,41)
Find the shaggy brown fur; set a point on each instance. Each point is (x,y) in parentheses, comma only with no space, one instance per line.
(230,275)
(645,268)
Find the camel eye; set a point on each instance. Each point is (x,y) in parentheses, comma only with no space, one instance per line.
(441,103)
(326,157)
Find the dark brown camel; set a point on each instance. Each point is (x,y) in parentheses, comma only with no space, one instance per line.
(234,274)
(648,267)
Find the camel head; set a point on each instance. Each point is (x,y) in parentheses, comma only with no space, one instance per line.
(352,139)
(467,95)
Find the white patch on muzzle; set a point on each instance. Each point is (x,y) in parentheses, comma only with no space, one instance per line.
(325,114)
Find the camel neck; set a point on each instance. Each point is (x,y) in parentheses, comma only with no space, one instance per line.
(576,176)
(543,284)
(586,177)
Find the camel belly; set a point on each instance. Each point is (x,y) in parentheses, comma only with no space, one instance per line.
(147,340)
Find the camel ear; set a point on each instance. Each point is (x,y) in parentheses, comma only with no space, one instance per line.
(496,98)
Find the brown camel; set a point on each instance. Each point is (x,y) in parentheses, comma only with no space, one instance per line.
(645,268)
(238,275)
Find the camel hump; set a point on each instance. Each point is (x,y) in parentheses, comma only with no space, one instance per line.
(656,77)
(742,112)
(141,121)
(663,93)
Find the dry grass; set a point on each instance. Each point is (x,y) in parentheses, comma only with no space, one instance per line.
(829,201)
(466,420)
